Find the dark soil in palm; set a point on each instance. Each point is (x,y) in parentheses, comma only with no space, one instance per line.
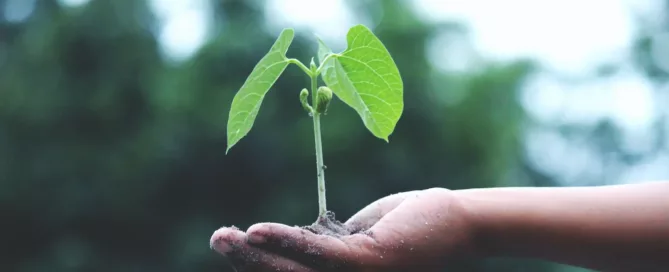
(328,225)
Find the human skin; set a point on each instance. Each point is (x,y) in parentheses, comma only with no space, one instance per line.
(605,228)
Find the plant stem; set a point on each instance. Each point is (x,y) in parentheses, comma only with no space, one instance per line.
(328,57)
(301,65)
(320,167)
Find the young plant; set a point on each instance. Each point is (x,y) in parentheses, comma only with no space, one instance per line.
(364,76)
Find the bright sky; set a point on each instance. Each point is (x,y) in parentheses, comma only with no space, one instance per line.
(564,35)
(185,26)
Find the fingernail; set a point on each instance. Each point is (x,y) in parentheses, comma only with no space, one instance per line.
(255,238)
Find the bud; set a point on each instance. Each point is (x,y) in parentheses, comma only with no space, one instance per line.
(304,94)
(312,65)
(323,98)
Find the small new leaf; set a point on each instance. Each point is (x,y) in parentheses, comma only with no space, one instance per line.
(304,94)
(366,78)
(247,101)
(323,98)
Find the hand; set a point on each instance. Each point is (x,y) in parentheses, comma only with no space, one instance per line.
(411,231)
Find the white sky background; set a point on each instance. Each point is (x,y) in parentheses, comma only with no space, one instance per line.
(565,35)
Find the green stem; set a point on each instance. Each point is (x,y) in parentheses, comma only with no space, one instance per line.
(302,66)
(320,167)
(320,67)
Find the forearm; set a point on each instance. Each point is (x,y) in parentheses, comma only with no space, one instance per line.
(609,228)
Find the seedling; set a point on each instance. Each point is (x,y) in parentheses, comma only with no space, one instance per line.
(364,76)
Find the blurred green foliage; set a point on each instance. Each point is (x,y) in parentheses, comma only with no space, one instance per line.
(112,159)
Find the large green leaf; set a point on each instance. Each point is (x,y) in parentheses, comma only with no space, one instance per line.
(247,101)
(366,78)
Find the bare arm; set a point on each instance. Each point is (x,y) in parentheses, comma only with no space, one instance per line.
(608,228)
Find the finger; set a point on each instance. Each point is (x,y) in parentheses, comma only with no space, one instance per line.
(372,213)
(417,223)
(414,212)
(232,243)
(319,251)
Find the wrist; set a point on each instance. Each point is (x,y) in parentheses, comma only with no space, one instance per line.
(485,228)
(464,224)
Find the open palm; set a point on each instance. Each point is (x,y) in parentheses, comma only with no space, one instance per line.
(410,231)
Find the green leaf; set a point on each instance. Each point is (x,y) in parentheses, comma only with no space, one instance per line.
(366,78)
(247,101)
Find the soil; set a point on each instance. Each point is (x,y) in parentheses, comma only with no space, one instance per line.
(328,225)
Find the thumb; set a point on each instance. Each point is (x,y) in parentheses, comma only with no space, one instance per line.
(372,213)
